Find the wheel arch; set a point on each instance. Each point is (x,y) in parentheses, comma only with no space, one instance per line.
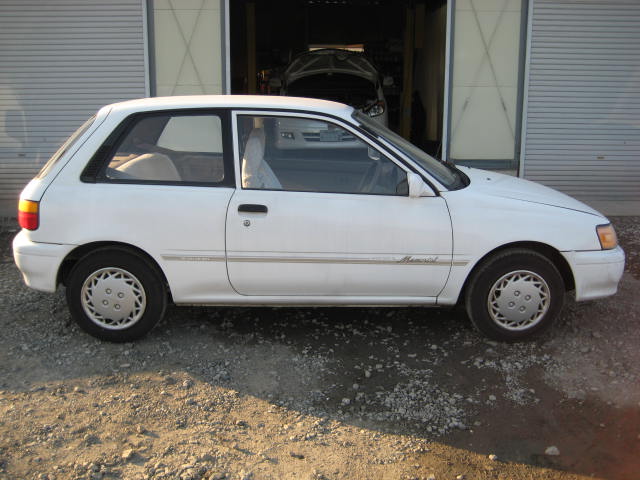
(544,249)
(83,250)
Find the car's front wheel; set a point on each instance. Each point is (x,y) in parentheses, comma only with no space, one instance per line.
(116,295)
(514,294)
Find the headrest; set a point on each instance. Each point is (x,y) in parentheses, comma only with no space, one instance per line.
(254,149)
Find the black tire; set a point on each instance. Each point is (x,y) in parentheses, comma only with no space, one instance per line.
(117,281)
(514,295)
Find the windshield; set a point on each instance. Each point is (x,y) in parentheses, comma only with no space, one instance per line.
(64,147)
(447,175)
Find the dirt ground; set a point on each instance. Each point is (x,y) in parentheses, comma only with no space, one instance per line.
(265,393)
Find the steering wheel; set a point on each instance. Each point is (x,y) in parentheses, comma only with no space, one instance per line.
(370,178)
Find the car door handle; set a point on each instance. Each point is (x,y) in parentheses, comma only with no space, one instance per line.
(252,208)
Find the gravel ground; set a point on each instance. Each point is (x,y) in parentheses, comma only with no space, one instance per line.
(327,393)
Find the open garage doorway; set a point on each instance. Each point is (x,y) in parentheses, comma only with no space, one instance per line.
(404,40)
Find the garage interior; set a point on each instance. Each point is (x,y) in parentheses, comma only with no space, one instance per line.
(405,40)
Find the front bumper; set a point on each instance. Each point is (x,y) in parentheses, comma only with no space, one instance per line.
(39,262)
(596,273)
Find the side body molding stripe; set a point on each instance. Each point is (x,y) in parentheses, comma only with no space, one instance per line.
(404,260)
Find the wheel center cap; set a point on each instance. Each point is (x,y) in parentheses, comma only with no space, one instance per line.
(113,298)
(519,300)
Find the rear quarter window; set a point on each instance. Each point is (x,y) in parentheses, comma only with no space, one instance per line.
(174,147)
(65,147)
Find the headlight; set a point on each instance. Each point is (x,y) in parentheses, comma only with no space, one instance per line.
(376,109)
(607,236)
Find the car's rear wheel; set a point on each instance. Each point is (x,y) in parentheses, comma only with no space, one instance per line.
(116,295)
(514,295)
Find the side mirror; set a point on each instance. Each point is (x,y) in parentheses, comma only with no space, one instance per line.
(373,154)
(417,186)
(387,81)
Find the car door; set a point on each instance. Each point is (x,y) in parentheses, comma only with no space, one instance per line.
(329,216)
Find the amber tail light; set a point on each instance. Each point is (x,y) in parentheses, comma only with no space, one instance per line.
(28,214)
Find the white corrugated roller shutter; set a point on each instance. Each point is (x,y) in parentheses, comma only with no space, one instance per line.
(60,60)
(583,108)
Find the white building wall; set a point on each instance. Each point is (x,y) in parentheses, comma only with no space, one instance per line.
(187,47)
(485,75)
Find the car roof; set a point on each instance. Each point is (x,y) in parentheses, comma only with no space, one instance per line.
(232,101)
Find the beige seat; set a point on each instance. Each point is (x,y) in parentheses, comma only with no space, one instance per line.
(151,166)
(256,172)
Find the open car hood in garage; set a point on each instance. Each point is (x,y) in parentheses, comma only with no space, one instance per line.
(330,60)
(506,186)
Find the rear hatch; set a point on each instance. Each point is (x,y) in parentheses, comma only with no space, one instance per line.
(330,61)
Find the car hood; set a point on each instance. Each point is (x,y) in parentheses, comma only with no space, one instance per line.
(330,61)
(505,186)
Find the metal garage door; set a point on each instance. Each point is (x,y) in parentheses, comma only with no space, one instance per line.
(583,106)
(60,60)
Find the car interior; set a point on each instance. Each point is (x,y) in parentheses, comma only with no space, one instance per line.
(171,149)
(333,168)
(161,148)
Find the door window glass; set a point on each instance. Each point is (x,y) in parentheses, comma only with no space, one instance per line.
(170,148)
(309,155)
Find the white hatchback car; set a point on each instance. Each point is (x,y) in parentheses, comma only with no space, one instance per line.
(185,199)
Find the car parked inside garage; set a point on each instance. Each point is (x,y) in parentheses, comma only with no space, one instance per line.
(338,75)
(188,200)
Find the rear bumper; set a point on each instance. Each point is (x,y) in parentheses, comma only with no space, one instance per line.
(39,262)
(596,273)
